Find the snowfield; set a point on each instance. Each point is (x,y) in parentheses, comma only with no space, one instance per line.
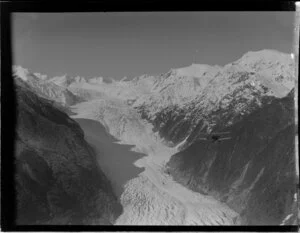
(153,197)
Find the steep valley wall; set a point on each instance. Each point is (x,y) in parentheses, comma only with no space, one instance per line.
(254,171)
(57,179)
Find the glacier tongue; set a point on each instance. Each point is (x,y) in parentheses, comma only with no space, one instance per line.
(153,197)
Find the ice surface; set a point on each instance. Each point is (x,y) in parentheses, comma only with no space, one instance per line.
(153,197)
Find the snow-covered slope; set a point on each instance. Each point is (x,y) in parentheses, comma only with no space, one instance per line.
(210,97)
(45,88)
(275,69)
(268,72)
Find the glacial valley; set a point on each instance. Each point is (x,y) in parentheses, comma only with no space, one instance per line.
(143,137)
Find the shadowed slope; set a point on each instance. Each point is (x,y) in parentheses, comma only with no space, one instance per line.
(254,171)
(57,178)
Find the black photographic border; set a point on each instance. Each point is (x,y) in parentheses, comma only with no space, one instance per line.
(8,100)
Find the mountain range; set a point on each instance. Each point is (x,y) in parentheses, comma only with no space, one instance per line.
(252,98)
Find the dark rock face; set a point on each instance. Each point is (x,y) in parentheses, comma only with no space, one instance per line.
(57,177)
(254,171)
(174,124)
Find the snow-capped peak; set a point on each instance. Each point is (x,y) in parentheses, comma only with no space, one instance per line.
(276,69)
(96,80)
(80,79)
(263,59)
(124,79)
(59,80)
(21,72)
(25,74)
(194,70)
(41,76)
(66,80)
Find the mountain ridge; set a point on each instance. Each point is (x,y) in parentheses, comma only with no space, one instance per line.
(57,179)
(198,99)
(253,55)
(264,190)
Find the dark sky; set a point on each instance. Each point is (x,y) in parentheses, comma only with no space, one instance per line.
(131,44)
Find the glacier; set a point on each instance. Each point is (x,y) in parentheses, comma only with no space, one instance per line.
(153,197)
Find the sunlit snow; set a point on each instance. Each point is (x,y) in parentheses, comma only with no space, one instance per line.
(153,197)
